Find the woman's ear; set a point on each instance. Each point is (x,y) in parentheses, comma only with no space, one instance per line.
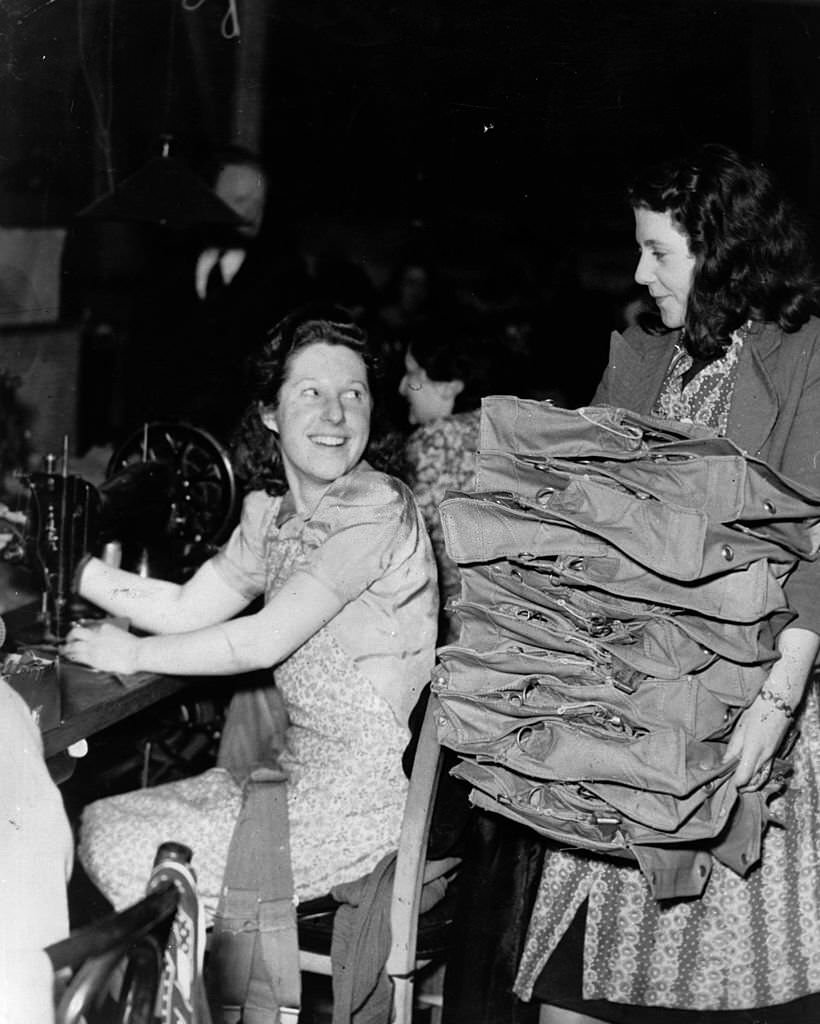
(267,414)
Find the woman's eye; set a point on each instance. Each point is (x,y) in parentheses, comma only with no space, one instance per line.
(310,392)
(356,393)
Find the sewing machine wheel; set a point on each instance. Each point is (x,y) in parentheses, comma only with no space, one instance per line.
(204,498)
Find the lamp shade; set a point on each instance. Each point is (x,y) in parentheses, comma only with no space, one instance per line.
(163,191)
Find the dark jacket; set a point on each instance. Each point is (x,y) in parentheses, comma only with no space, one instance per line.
(774,416)
(187,355)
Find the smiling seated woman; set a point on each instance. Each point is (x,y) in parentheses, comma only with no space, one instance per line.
(340,554)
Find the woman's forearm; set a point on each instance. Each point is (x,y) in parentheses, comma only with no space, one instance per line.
(158,606)
(226,649)
(295,613)
(761,728)
(788,677)
(147,603)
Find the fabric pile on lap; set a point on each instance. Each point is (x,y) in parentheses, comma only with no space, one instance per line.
(621,592)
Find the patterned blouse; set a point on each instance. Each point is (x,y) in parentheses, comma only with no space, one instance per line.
(441,456)
(705,398)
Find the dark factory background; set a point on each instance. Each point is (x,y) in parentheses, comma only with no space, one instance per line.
(493,137)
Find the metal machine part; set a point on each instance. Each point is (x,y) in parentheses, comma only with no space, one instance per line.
(199,491)
(168,500)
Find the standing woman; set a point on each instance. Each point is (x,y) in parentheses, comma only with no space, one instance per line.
(737,348)
(340,555)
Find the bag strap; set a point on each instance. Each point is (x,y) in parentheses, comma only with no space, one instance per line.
(255,947)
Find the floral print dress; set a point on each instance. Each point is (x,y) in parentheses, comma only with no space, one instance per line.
(442,457)
(344,743)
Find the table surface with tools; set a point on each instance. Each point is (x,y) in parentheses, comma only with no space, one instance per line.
(73,702)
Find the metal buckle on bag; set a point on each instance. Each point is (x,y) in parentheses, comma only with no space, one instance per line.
(627,680)
(518,698)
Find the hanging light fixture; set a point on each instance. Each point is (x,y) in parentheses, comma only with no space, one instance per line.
(163,191)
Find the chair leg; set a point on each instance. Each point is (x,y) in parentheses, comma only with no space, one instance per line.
(402,1001)
(430,993)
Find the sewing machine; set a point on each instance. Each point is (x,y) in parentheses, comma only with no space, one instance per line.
(168,500)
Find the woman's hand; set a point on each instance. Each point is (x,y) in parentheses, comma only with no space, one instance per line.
(761,728)
(757,736)
(102,646)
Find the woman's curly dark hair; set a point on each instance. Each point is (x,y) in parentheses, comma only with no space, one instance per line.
(449,348)
(255,449)
(752,258)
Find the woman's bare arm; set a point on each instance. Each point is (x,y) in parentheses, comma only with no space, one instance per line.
(158,606)
(297,611)
(761,728)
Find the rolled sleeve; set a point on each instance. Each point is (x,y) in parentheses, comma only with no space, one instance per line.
(241,561)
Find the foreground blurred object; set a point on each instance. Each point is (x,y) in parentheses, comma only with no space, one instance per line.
(157,946)
(168,500)
(36,856)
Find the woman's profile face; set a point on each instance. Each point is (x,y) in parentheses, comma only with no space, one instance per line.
(427,399)
(322,417)
(666,266)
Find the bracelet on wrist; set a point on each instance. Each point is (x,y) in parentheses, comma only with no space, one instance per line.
(779,702)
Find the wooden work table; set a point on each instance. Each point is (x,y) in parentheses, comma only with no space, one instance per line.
(85,701)
(91,701)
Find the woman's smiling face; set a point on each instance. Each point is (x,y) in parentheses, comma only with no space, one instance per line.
(322,418)
(666,266)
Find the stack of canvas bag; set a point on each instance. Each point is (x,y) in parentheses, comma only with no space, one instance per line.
(621,591)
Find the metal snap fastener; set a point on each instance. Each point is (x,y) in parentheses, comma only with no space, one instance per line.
(728,552)
(770,507)
(535,797)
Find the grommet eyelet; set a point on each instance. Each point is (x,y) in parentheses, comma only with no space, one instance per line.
(728,552)
(770,507)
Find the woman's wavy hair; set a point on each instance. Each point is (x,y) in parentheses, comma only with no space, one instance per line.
(752,257)
(255,448)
